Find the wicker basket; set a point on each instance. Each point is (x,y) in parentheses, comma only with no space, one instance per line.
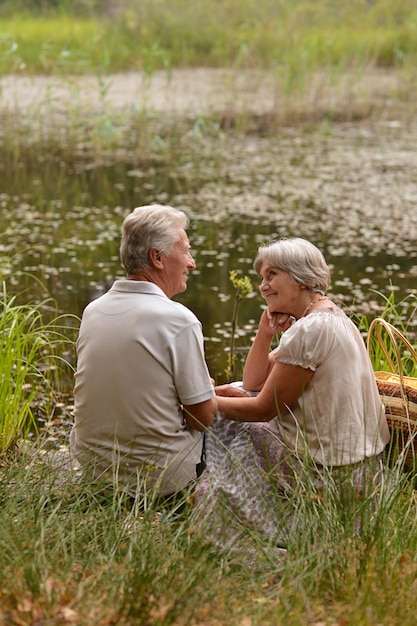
(398,394)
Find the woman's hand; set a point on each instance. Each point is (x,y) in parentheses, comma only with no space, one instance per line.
(229,391)
(274,323)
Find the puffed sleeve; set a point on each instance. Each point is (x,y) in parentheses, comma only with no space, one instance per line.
(306,343)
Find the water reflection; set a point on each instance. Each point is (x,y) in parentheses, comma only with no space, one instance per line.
(77,269)
(74,253)
(359,284)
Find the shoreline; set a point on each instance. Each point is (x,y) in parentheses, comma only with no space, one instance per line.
(203,91)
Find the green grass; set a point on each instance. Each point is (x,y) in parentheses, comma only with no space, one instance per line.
(33,348)
(72,552)
(402,315)
(298,36)
(69,552)
(51,45)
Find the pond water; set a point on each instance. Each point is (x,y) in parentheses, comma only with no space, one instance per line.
(352,190)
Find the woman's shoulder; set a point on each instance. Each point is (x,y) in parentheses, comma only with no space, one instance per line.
(319,328)
(324,316)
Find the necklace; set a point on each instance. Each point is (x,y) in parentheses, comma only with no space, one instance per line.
(306,310)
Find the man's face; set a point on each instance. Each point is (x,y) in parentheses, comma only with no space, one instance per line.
(177,266)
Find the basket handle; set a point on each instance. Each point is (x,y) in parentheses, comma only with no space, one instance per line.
(395,335)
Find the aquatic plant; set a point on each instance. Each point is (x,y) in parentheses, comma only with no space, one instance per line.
(33,364)
(402,315)
(243,286)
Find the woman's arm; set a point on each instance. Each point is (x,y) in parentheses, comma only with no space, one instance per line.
(259,362)
(285,384)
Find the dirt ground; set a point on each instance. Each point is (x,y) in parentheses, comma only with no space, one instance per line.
(181,91)
(188,92)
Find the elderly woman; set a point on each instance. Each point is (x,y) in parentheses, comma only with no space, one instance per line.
(308,407)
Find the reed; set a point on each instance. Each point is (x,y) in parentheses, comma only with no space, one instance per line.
(302,35)
(33,365)
(402,315)
(72,553)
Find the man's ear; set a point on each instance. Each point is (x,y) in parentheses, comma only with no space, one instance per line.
(155,258)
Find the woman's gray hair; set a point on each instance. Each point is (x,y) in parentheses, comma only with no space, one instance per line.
(298,257)
(152,226)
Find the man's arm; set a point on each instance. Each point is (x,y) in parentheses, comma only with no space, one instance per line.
(200,416)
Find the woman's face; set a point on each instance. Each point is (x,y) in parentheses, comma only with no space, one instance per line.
(281,293)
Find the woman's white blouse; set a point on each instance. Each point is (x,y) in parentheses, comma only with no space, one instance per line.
(339,417)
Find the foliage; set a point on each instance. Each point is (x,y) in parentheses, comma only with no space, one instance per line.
(32,364)
(72,553)
(243,287)
(402,315)
(293,38)
(68,552)
(47,7)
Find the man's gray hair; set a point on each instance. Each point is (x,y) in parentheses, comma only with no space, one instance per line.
(151,226)
(298,257)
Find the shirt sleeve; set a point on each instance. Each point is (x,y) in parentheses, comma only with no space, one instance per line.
(191,375)
(306,343)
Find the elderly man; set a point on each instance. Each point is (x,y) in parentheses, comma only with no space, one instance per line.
(143,393)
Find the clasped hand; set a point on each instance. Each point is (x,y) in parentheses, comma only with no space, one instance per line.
(229,391)
(276,322)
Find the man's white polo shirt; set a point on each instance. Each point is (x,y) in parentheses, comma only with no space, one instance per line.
(140,357)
